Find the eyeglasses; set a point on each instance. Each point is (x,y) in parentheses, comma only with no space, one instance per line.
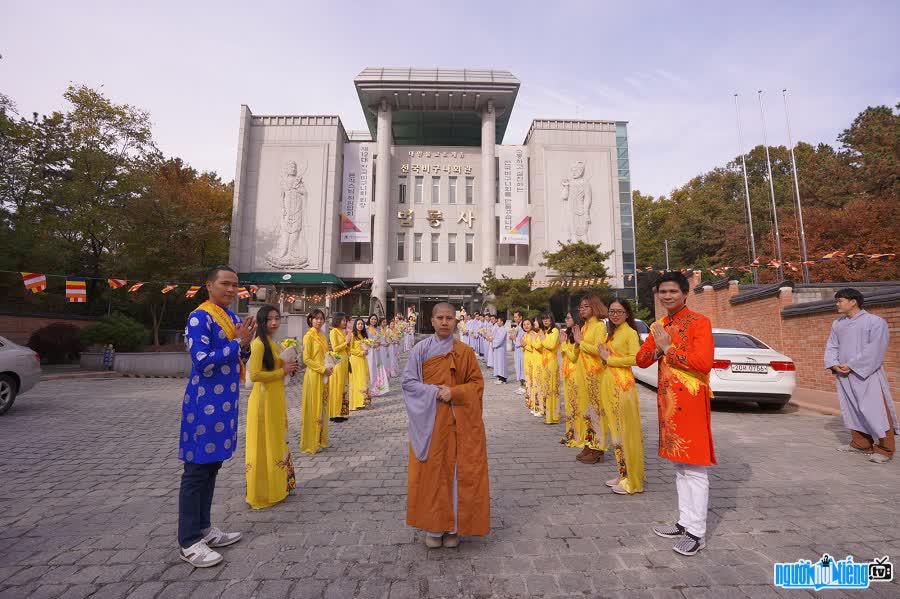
(617,312)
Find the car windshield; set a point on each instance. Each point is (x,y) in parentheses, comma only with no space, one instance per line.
(737,341)
(642,327)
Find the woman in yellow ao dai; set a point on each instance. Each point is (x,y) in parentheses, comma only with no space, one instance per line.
(338,400)
(314,430)
(620,399)
(589,373)
(268,464)
(550,368)
(359,371)
(575,410)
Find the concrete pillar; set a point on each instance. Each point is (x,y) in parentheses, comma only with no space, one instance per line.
(382,205)
(488,187)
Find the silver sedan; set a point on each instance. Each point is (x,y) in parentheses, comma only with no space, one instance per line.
(20,370)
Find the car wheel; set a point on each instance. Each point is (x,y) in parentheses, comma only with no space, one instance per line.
(771,407)
(8,390)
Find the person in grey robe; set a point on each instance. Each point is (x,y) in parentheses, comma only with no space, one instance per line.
(519,353)
(855,354)
(498,345)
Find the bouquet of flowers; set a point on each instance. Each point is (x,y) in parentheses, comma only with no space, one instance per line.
(290,352)
(332,359)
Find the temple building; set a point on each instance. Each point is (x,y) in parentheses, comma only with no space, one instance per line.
(426,199)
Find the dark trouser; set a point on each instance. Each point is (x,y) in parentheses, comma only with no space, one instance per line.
(198,483)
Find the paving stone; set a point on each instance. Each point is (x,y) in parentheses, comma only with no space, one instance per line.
(779,493)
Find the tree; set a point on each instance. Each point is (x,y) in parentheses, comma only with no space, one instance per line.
(578,260)
(176,230)
(514,294)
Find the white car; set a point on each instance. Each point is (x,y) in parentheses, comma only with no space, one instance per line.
(20,370)
(744,369)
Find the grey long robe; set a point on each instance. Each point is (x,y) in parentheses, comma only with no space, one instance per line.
(860,342)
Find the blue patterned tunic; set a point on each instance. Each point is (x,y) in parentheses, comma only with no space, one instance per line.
(209,412)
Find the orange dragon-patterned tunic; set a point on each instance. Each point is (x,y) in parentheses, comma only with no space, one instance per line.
(683,392)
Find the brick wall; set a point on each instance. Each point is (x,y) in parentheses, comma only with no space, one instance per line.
(18,329)
(802,338)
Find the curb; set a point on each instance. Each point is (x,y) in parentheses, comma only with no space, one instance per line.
(814,407)
(80,375)
(153,376)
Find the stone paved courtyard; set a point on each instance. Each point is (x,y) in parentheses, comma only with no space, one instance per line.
(89,477)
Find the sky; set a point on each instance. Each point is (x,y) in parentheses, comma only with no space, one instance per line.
(670,69)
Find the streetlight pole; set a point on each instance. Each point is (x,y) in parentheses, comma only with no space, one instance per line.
(667,254)
(803,258)
(737,113)
(762,116)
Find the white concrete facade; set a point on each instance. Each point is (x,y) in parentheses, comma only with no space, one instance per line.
(286,216)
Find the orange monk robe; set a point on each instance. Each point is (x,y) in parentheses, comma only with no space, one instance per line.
(457,441)
(683,393)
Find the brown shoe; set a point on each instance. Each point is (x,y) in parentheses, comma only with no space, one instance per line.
(593,457)
(584,451)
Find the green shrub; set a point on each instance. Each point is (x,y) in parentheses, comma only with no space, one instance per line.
(57,343)
(125,334)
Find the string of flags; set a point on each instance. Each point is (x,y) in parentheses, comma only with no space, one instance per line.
(76,288)
(775,264)
(317,298)
(568,283)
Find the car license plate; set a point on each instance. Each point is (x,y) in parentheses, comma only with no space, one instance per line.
(750,368)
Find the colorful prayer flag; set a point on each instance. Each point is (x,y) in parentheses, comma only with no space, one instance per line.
(254,288)
(243,293)
(76,290)
(135,287)
(169,287)
(831,256)
(192,291)
(755,262)
(116,283)
(35,282)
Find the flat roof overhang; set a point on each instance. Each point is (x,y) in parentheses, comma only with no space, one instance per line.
(436,107)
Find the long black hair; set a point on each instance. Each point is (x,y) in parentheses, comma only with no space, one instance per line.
(364,334)
(570,338)
(629,317)
(549,315)
(262,331)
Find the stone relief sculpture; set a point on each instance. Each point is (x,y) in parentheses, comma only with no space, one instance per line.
(290,247)
(577,191)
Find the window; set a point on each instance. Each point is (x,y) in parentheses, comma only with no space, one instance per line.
(357,252)
(417,247)
(401,247)
(402,197)
(420,183)
(734,341)
(451,247)
(470,190)
(451,194)
(435,240)
(435,190)
(470,247)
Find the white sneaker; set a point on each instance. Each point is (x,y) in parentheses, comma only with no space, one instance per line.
(216,538)
(520,391)
(200,555)
(879,458)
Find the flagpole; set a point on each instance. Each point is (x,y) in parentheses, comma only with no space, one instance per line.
(737,113)
(762,116)
(787,120)
(667,254)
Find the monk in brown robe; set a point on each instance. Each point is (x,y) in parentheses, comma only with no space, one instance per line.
(448,491)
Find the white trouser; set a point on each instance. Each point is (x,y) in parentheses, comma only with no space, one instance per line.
(455,510)
(692,483)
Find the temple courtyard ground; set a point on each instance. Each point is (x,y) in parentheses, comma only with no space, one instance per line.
(89,479)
